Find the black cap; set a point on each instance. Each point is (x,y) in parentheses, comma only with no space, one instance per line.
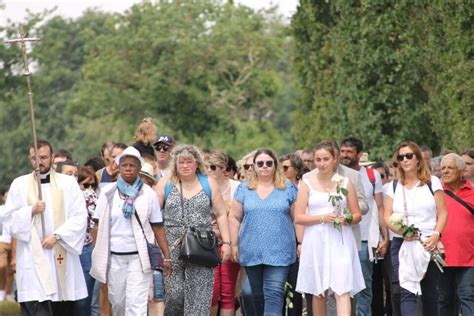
(166,139)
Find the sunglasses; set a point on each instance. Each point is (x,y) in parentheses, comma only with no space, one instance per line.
(409,156)
(285,168)
(382,175)
(247,166)
(268,163)
(228,169)
(87,185)
(162,147)
(212,167)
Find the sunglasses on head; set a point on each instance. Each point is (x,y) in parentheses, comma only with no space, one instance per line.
(268,163)
(87,185)
(161,147)
(409,156)
(285,168)
(247,166)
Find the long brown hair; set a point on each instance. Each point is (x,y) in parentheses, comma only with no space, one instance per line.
(422,171)
(279,180)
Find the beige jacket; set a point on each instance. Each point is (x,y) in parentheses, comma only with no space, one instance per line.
(101,252)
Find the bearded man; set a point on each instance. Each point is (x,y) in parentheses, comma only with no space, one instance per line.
(49,273)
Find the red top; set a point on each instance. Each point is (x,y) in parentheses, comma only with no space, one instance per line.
(458,236)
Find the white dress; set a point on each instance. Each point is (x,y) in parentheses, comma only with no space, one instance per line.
(329,259)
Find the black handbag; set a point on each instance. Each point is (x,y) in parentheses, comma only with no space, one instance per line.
(154,252)
(198,246)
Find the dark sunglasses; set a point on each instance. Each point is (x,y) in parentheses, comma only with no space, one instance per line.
(247,166)
(87,185)
(212,167)
(160,147)
(409,156)
(268,163)
(228,169)
(285,168)
(382,175)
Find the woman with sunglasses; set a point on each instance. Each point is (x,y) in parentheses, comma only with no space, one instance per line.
(293,168)
(88,183)
(262,233)
(419,198)
(227,272)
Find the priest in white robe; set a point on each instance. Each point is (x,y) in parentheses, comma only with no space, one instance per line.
(49,273)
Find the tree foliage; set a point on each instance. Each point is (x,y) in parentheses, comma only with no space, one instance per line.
(384,71)
(208,72)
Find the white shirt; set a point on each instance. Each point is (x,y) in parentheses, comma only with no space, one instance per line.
(372,214)
(421,205)
(122,238)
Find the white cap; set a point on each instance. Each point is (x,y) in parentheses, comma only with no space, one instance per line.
(130,152)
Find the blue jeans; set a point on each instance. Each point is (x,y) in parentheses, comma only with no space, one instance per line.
(268,287)
(83,307)
(364,297)
(246,298)
(462,280)
(429,286)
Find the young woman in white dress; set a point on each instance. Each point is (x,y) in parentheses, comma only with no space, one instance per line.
(329,261)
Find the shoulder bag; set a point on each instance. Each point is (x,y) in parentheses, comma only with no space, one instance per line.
(198,246)
(154,252)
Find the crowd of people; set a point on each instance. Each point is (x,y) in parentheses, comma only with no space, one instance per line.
(321,231)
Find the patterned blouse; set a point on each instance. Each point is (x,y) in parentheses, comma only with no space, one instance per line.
(91,199)
(267,234)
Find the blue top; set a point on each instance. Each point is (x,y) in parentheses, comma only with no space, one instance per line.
(267,235)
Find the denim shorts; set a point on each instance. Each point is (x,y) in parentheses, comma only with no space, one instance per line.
(158,286)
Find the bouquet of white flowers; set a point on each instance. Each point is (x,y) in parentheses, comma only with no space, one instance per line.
(396,219)
(336,201)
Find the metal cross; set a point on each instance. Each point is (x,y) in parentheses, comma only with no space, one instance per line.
(22,40)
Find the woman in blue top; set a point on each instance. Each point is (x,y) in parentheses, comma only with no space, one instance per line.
(262,211)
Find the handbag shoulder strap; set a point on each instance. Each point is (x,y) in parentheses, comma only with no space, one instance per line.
(460,201)
(182,203)
(141,226)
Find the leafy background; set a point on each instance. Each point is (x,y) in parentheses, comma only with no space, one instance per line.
(226,76)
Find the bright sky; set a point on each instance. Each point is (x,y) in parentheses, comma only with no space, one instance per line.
(15,10)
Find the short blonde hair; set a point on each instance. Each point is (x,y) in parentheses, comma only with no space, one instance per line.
(183,152)
(146,131)
(279,181)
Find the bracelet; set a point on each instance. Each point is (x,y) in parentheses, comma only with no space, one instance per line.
(322,219)
(166,260)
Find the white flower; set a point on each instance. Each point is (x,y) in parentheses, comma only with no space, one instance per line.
(337,178)
(396,218)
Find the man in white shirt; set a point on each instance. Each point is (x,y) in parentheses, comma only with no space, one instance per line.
(372,224)
(49,273)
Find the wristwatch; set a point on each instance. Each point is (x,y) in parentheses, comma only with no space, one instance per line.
(57,236)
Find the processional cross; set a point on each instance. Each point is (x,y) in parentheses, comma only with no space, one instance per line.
(22,40)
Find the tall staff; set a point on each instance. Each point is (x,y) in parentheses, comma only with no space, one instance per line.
(22,40)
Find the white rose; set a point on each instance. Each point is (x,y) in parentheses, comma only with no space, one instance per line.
(396,218)
(337,178)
